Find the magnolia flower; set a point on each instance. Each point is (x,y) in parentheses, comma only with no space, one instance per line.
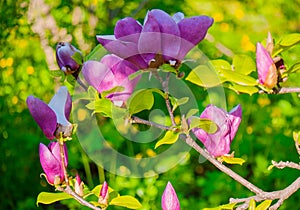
(64,53)
(169,200)
(103,197)
(111,72)
(50,158)
(267,71)
(161,34)
(218,143)
(53,117)
(78,186)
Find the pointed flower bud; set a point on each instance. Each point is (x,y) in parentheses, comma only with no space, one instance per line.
(104,195)
(78,185)
(218,143)
(169,200)
(53,117)
(267,72)
(64,53)
(50,158)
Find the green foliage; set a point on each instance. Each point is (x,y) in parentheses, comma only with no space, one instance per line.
(169,138)
(48,198)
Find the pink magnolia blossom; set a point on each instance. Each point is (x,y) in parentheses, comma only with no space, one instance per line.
(169,200)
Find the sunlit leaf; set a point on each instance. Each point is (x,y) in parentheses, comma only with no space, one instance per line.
(71,79)
(178,102)
(136,74)
(169,138)
(58,73)
(47,197)
(238,78)
(105,107)
(294,68)
(126,201)
(233,160)
(191,112)
(140,100)
(241,88)
(243,64)
(167,68)
(96,54)
(252,204)
(229,206)
(77,57)
(204,76)
(290,40)
(113,90)
(96,190)
(221,65)
(264,205)
(205,124)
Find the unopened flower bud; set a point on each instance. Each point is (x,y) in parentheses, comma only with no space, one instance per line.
(169,200)
(78,185)
(64,53)
(103,198)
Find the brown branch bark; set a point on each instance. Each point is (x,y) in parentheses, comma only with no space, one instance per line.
(288,164)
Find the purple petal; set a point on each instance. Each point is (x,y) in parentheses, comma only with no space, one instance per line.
(177,17)
(193,30)
(150,39)
(267,72)
(43,115)
(169,199)
(55,150)
(128,29)
(170,34)
(68,106)
(50,164)
(104,190)
(64,53)
(58,104)
(235,117)
(98,75)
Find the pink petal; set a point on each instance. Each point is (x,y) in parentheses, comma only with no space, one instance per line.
(169,199)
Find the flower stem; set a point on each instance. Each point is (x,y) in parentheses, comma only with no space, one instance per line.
(63,155)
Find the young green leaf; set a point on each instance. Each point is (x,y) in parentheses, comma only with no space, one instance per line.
(290,40)
(294,68)
(140,100)
(264,205)
(232,160)
(47,197)
(204,76)
(105,107)
(205,124)
(221,65)
(136,74)
(241,89)
(169,138)
(167,68)
(77,57)
(96,54)
(243,64)
(191,112)
(126,201)
(178,102)
(238,78)
(113,90)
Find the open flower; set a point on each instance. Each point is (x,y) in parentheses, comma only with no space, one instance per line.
(64,53)
(161,34)
(112,71)
(218,143)
(267,71)
(50,158)
(53,117)
(169,200)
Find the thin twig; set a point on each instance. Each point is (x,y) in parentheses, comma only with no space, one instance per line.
(285,90)
(63,155)
(288,164)
(138,120)
(69,191)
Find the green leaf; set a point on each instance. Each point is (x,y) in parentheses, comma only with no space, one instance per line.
(191,112)
(264,205)
(77,57)
(221,65)
(178,102)
(58,73)
(105,107)
(252,204)
(71,79)
(167,68)
(113,90)
(290,40)
(241,89)
(294,68)
(140,100)
(205,124)
(232,160)
(47,197)
(96,54)
(136,74)
(238,78)
(126,201)
(204,76)
(96,190)
(169,138)
(243,64)
(229,206)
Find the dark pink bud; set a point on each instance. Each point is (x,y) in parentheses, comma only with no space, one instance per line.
(103,198)
(78,185)
(169,200)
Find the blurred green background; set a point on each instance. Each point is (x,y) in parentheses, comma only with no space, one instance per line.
(28,36)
